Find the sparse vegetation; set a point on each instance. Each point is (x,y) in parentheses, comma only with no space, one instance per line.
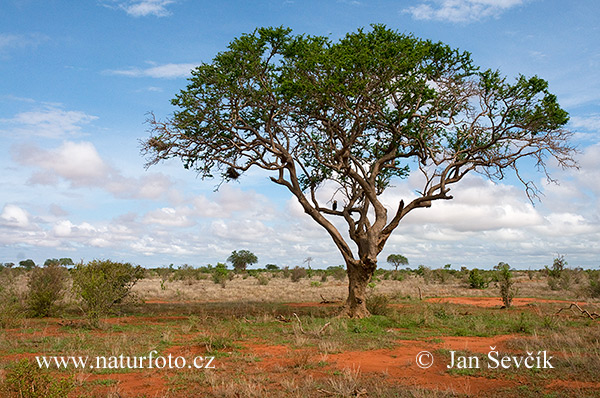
(477,280)
(45,288)
(26,380)
(505,280)
(100,284)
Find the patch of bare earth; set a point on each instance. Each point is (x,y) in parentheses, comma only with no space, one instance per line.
(489,302)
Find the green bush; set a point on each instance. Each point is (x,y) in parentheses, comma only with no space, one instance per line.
(11,302)
(263,280)
(338,273)
(45,288)
(594,283)
(477,280)
(378,304)
(100,284)
(220,274)
(506,282)
(25,379)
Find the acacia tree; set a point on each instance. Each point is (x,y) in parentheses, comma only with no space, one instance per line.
(357,114)
(397,260)
(242,259)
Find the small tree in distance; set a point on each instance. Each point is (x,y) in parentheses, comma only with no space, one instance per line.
(351,117)
(240,260)
(397,260)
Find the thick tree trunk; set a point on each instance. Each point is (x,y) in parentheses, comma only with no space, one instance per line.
(359,275)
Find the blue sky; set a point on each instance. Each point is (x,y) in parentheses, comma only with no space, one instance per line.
(78,79)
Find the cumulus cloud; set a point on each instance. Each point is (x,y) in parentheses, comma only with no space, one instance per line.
(80,164)
(14,216)
(166,71)
(460,10)
(50,121)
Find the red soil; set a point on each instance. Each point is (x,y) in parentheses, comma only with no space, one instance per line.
(135,384)
(399,364)
(492,301)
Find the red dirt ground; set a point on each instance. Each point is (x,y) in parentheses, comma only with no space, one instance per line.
(398,364)
(492,301)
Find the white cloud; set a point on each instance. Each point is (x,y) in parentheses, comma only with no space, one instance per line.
(77,162)
(14,216)
(591,122)
(143,8)
(166,71)
(12,41)
(51,122)
(460,10)
(169,217)
(80,164)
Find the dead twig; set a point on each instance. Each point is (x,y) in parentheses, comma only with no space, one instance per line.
(591,315)
(316,334)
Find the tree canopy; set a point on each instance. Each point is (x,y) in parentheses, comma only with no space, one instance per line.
(357,114)
(241,259)
(397,260)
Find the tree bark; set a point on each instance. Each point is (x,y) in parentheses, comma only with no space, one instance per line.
(359,275)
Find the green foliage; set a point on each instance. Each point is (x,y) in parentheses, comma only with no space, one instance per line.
(378,304)
(337,272)
(241,259)
(357,112)
(594,284)
(220,274)
(45,288)
(263,280)
(558,265)
(11,302)
(506,283)
(397,260)
(477,280)
(559,276)
(27,264)
(100,284)
(24,379)
(271,267)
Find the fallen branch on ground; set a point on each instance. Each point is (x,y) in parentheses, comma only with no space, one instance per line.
(591,315)
(316,334)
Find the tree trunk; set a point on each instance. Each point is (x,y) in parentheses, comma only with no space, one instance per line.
(359,275)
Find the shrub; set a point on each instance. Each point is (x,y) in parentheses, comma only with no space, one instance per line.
(26,380)
(297,274)
(378,304)
(338,273)
(477,280)
(263,280)
(100,284)
(11,303)
(221,274)
(45,287)
(506,282)
(187,274)
(594,284)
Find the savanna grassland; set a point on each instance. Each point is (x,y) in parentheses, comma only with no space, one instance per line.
(276,334)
